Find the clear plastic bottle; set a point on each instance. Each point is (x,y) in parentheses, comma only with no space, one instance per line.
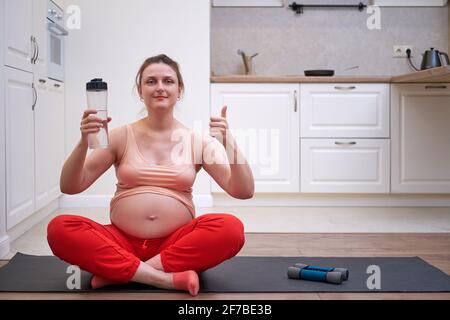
(97,99)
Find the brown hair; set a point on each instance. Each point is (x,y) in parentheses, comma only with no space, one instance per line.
(161,58)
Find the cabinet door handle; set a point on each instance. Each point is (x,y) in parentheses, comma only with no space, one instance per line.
(435,87)
(42,81)
(35,96)
(37,51)
(295,100)
(339,143)
(57,85)
(33,42)
(344,88)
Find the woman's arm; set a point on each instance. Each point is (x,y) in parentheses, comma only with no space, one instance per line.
(228,166)
(72,172)
(241,180)
(78,173)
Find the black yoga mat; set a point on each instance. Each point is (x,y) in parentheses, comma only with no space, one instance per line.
(28,273)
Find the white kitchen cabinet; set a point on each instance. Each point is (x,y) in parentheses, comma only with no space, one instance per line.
(34,143)
(34,111)
(40,34)
(49,140)
(4,242)
(2,130)
(420,138)
(19,153)
(2,34)
(345,145)
(345,165)
(344,110)
(264,120)
(25,47)
(18,47)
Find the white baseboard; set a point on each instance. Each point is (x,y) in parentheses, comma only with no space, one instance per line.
(334,200)
(4,246)
(203,200)
(101,201)
(87,201)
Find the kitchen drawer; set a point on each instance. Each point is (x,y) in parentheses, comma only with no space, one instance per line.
(345,165)
(344,110)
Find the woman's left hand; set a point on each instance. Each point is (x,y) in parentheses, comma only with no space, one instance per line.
(218,127)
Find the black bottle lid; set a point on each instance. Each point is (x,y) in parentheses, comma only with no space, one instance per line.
(96,84)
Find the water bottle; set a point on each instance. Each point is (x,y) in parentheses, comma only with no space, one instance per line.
(97,99)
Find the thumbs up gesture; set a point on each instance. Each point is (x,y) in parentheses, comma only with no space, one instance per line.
(218,126)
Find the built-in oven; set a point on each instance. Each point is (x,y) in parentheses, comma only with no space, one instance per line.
(56,32)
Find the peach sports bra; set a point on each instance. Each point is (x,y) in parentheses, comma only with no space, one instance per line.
(136,175)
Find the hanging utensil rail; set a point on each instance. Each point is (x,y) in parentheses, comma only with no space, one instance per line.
(298,8)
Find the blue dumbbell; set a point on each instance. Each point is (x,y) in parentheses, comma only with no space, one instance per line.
(315,275)
(344,271)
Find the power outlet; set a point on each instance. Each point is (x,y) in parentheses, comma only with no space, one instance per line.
(400,51)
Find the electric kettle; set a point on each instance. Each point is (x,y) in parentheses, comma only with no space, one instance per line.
(434,58)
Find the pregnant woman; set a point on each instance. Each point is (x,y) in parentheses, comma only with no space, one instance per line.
(154,236)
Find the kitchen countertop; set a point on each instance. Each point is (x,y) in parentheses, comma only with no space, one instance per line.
(440,74)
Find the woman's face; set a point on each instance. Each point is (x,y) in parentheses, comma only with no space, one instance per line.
(159,86)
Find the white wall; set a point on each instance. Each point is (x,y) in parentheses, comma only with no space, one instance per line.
(114,39)
(301,42)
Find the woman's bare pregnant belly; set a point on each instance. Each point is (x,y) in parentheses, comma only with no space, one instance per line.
(149,215)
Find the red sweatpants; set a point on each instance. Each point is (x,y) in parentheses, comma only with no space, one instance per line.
(108,252)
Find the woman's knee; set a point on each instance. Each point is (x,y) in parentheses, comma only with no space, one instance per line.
(56,225)
(59,228)
(232,230)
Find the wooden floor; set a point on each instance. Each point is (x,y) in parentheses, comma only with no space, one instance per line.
(432,247)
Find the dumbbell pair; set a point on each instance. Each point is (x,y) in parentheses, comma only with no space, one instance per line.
(316,273)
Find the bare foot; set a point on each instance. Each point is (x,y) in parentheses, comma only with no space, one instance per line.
(186,280)
(98,282)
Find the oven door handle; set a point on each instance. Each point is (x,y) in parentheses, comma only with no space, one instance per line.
(57,29)
(37,51)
